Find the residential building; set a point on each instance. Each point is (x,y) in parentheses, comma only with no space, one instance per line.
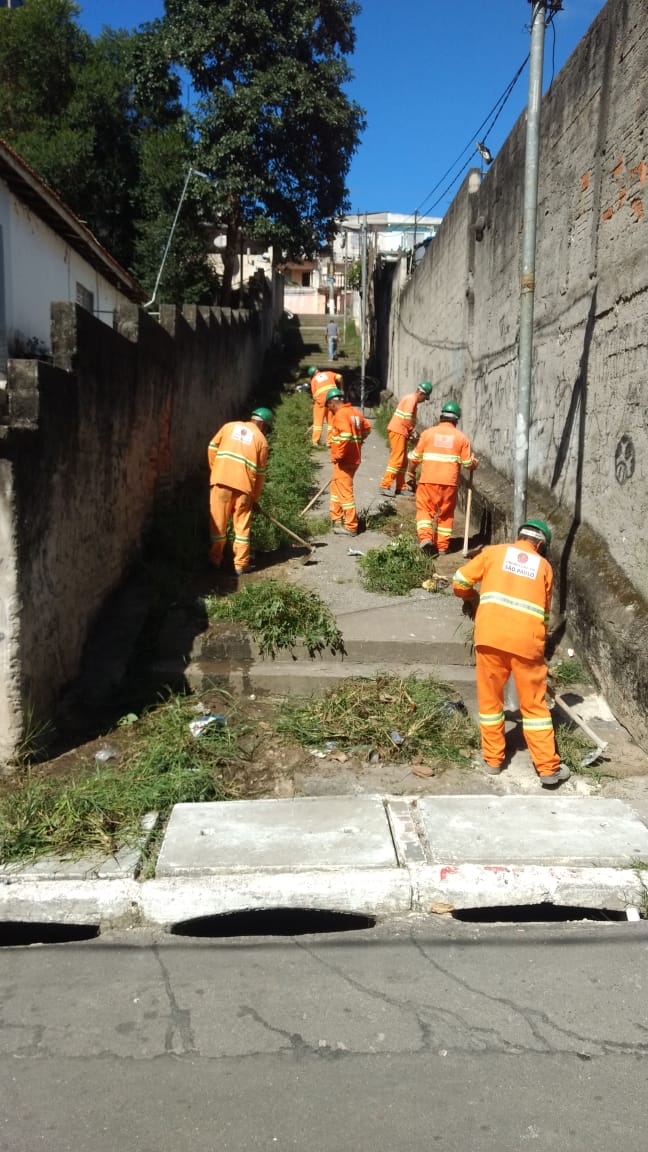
(48,255)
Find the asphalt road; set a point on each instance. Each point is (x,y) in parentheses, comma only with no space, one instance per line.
(408,1037)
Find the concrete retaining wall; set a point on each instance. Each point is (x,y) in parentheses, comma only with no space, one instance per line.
(86,445)
(456,322)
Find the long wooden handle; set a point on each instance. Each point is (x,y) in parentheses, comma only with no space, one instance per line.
(468,512)
(283,528)
(315,498)
(600,744)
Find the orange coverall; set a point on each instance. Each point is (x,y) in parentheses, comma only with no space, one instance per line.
(321,383)
(516,583)
(442,451)
(237,457)
(349,430)
(399,428)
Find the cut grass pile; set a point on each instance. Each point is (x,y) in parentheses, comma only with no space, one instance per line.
(396,568)
(399,719)
(102,811)
(280,616)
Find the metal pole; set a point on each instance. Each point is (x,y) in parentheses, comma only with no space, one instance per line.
(527,283)
(363,313)
(190,173)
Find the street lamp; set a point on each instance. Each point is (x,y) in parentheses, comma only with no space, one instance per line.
(190,172)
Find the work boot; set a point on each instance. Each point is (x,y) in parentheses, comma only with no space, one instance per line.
(340,530)
(561,774)
(387,492)
(244,571)
(428,549)
(490,769)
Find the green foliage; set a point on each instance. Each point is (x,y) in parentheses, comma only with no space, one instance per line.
(103,809)
(382,416)
(354,276)
(396,568)
(290,476)
(280,616)
(361,713)
(569,672)
(273,119)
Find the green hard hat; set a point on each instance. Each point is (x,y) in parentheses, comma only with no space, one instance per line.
(333,394)
(451,408)
(263,414)
(535,526)
(425,386)
(311,371)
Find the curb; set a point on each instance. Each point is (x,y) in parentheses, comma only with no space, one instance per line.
(382,893)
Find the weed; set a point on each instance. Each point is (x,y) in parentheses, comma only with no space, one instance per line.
(280,616)
(290,475)
(34,741)
(103,810)
(383,516)
(640,868)
(572,746)
(318,525)
(351,341)
(569,672)
(370,713)
(382,416)
(395,568)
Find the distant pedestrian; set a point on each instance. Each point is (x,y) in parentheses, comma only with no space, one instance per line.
(400,429)
(441,452)
(511,613)
(321,382)
(332,337)
(349,429)
(237,458)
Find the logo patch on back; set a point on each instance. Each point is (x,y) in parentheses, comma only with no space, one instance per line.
(521,563)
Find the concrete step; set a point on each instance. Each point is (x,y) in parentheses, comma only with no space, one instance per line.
(312,678)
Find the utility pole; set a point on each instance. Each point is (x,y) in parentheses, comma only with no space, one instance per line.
(527,282)
(363,311)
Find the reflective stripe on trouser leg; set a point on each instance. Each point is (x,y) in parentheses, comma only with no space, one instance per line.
(242,519)
(446,500)
(221,502)
(425,513)
(493,669)
(342,499)
(397,463)
(537,726)
(319,420)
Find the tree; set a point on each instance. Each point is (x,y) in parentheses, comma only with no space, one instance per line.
(101,122)
(274,124)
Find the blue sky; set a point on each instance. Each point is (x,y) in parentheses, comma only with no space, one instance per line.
(428,73)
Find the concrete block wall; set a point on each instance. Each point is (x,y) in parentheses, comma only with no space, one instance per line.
(457,320)
(86,445)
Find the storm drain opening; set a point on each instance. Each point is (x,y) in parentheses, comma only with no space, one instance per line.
(545,913)
(273,922)
(19,933)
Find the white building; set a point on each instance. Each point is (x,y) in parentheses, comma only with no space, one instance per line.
(317,286)
(48,255)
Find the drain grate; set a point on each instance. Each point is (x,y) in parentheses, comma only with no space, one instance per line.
(273,922)
(18,933)
(534,914)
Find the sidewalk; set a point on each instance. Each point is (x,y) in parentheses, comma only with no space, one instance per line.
(385,842)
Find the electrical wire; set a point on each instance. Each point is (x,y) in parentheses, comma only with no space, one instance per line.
(496,109)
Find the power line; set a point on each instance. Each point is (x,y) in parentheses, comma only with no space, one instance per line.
(494,112)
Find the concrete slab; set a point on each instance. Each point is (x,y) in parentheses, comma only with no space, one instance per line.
(306,834)
(525,830)
(122,865)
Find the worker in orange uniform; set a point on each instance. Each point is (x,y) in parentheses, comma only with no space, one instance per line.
(400,428)
(511,613)
(441,452)
(349,430)
(321,383)
(237,457)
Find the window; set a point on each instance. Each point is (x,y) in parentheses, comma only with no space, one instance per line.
(84,297)
(306,278)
